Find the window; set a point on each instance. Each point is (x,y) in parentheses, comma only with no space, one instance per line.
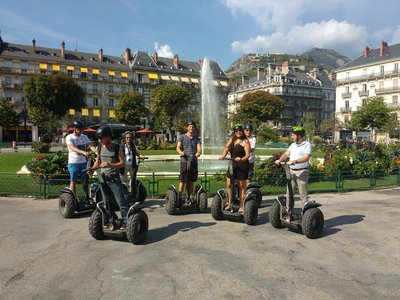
(95,76)
(396,67)
(382,70)
(95,88)
(84,86)
(24,67)
(346,118)
(8,96)
(140,78)
(364,72)
(123,89)
(110,89)
(70,73)
(7,80)
(8,64)
(110,102)
(140,91)
(347,89)
(395,100)
(83,75)
(364,87)
(364,102)
(95,101)
(346,104)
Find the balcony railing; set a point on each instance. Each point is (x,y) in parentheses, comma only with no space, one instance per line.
(363,93)
(346,95)
(367,77)
(380,91)
(345,109)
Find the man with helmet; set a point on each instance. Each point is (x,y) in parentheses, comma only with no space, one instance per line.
(189,149)
(111,159)
(248,129)
(78,145)
(299,153)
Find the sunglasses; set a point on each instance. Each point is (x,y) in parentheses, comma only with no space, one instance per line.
(238,131)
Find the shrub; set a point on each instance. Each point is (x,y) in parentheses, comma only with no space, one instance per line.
(41,147)
(54,163)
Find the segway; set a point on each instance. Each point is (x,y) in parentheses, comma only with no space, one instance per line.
(104,220)
(309,220)
(69,203)
(137,191)
(172,202)
(251,202)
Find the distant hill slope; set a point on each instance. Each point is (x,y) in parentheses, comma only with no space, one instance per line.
(324,59)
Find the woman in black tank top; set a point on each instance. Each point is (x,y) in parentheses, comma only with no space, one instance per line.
(239,148)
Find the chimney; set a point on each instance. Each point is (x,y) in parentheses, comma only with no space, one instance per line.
(260,73)
(285,67)
(155,56)
(176,61)
(313,73)
(33,46)
(101,55)
(384,48)
(366,51)
(331,76)
(244,77)
(63,50)
(200,63)
(127,55)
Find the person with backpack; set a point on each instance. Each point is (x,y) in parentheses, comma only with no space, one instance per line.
(110,158)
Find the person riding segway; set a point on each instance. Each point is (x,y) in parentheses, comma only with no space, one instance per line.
(189,149)
(310,218)
(133,222)
(239,200)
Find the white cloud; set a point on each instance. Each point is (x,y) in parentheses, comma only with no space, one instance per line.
(163,50)
(341,36)
(396,36)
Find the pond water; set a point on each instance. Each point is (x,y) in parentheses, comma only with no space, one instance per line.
(209,166)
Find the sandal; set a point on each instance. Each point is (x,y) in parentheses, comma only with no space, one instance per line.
(241,211)
(227,207)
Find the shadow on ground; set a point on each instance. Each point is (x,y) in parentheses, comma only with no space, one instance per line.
(331,225)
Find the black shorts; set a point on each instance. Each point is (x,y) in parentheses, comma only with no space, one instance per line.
(240,170)
(193,172)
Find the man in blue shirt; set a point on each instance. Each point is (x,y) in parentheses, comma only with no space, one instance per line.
(299,153)
(189,149)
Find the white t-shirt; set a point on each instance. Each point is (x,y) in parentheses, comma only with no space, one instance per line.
(128,155)
(81,142)
(252,141)
(297,151)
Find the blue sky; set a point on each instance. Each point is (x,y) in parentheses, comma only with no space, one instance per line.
(222,30)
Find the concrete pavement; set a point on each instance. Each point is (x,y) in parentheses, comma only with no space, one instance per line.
(192,256)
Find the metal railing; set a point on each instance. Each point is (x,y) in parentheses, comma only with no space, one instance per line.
(49,186)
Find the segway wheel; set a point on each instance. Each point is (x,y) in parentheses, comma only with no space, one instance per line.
(312,223)
(251,211)
(137,227)
(66,205)
(202,203)
(142,193)
(275,215)
(216,208)
(171,202)
(96,225)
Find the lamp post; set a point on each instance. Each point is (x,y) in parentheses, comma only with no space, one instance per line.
(25,116)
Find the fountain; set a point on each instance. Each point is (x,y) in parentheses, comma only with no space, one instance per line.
(212,135)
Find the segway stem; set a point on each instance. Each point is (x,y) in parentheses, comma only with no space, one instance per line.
(289,186)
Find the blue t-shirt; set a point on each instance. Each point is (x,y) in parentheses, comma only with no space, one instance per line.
(297,151)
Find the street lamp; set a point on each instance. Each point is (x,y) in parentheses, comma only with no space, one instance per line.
(25,116)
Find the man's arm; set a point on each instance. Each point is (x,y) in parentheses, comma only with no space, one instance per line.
(179,149)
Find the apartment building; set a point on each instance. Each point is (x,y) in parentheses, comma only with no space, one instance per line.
(374,73)
(103,77)
(301,92)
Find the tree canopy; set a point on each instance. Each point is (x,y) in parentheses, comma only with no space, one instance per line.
(8,116)
(130,108)
(259,106)
(52,95)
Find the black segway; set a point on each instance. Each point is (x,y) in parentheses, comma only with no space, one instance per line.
(251,202)
(173,203)
(309,220)
(104,220)
(137,191)
(69,203)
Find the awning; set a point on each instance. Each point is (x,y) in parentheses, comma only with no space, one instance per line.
(224,83)
(165,77)
(70,68)
(194,80)
(85,112)
(43,66)
(124,74)
(96,71)
(96,112)
(174,78)
(111,73)
(71,112)
(56,67)
(84,70)
(153,76)
(185,79)
(111,113)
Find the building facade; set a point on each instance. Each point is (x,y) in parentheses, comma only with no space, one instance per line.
(102,77)
(374,73)
(300,91)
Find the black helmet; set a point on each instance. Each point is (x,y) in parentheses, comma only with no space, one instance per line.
(248,126)
(298,130)
(191,122)
(104,131)
(78,125)
(238,127)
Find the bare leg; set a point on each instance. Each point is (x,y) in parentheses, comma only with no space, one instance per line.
(228,190)
(242,193)
(72,186)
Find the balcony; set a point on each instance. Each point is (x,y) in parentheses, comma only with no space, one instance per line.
(345,109)
(391,90)
(346,95)
(363,93)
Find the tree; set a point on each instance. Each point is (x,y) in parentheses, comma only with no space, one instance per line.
(374,115)
(267,134)
(259,106)
(8,116)
(51,96)
(130,108)
(169,101)
(309,125)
